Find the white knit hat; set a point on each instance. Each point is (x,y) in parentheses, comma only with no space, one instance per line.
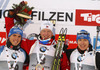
(46,25)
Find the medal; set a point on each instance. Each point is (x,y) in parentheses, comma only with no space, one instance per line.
(14,55)
(39,67)
(43,49)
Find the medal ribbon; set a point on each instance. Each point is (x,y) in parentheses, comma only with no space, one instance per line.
(38,56)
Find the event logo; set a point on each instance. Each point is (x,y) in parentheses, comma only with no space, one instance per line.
(2,38)
(98,43)
(87,17)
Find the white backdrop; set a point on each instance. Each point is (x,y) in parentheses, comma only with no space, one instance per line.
(45,8)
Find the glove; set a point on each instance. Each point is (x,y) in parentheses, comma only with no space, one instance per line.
(65,47)
(98,60)
(10,13)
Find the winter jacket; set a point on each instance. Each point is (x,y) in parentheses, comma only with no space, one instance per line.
(42,53)
(84,61)
(65,64)
(10,57)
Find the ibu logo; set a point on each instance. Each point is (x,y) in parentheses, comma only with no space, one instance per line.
(98,43)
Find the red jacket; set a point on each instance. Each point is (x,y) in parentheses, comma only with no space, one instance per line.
(26,45)
(65,65)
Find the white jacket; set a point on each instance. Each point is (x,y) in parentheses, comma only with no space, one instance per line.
(87,63)
(36,54)
(9,55)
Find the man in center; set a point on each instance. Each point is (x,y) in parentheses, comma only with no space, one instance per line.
(42,51)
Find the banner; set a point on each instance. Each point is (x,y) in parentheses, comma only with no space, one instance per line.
(87,17)
(71,14)
(2,38)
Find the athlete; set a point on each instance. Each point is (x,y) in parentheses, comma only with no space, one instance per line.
(12,56)
(83,58)
(43,50)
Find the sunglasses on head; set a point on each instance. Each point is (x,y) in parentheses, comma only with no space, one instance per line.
(83,33)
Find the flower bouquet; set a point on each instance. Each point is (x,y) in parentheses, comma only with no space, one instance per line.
(21,13)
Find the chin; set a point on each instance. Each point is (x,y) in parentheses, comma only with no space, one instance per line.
(14,44)
(83,49)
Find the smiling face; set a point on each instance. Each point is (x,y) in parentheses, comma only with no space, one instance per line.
(46,34)
(83,44)
(15,39)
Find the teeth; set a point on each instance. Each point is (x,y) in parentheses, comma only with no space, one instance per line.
(82,45)
(15,41)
